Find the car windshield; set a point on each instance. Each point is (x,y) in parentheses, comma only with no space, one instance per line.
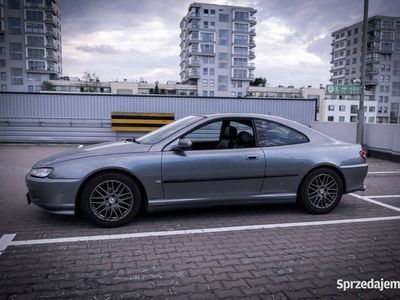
(167,130)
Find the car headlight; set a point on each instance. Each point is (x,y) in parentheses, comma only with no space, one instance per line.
(41,172)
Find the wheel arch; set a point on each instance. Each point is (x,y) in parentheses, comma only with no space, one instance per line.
(105,171)
(323,166)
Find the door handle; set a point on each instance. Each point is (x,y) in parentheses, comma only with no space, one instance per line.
(251,157)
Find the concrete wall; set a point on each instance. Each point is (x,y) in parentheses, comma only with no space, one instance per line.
(377,137)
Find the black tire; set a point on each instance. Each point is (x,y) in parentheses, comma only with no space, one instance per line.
(321,191)
(110,199)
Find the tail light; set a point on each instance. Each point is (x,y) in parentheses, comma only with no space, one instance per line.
(363,154)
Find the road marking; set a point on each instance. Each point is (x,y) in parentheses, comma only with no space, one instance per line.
(385,196)
(368,198)
(6,241)
(384,172)
(189,231)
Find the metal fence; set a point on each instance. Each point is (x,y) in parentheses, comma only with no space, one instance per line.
(80,118)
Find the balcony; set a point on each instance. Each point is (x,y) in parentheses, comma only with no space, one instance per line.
(53,58)
(252,55)
(193,16)
(252,32)
(51,21)
(372,71)
(193,27)
(371,81)
(194,63)
(194,74)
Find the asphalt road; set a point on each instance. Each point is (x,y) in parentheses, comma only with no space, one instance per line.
(292,255)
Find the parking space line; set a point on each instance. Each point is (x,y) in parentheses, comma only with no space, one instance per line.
(368,199)
(5,241)
(188,231)
(385,196)
(384,172)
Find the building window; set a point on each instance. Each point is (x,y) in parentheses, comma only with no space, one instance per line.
(372,109)
(207,48)
(212,71)
(353,119)
(35,41)
(223,60)
(16,51)
(224,17)
(341,118)
(240,50)
(241,39)
(386,99)
(206,36)
(35,53)
(212,93)
(3,87)
(212,12)
(353,109)
(14,25)
(331,107)
(355,30)
(205,71)
(211,83)
(30,88)
(240,62)
(241,15)
(35,27)
(222,83)
(355,41)
(205,82)
(342,108)
(330,119)
(14,4)
(239,73)
(3,76)
(205,93)
(395,88)
(2,63)
(36,65)
(223,37)
(354,61)
(371,120)
(34,15)
(16,76)
(241,27)
(206,12)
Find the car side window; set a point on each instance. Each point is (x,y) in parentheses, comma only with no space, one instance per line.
(223,134)
(275,134)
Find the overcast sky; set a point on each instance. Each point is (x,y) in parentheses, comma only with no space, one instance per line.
(140,38)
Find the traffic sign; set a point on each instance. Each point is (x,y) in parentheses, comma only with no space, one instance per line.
(347,89)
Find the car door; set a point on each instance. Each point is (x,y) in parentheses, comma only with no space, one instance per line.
(287,155)
(205,172)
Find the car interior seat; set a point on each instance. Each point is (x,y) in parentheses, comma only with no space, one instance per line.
(228,139)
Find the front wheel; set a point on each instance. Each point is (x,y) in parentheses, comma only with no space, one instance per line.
(110,199)
(321,191)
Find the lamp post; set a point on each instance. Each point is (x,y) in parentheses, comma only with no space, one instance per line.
(360,124)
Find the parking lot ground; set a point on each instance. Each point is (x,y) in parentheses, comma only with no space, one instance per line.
(269,251)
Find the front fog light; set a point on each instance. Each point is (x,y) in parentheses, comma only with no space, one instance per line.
(41,172)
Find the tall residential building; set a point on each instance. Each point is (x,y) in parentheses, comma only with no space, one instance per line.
(382,63)
(30,44)
(217,49)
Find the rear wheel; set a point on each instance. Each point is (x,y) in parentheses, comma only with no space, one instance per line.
(321,191)
(110,199)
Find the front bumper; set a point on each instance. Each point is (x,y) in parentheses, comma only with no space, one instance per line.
(55,195)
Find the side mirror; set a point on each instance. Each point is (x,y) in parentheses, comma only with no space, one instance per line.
(183,144)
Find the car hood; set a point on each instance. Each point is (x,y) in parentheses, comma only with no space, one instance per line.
(109,148)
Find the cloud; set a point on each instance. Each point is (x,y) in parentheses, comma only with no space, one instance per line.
(133,39)
(103,49)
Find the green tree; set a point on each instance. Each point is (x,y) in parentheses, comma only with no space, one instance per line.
(47,86)
(259,81)
(156,89)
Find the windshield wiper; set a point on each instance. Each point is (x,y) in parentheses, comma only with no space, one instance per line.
(132,140)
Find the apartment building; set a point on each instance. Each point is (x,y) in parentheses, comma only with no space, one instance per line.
(30,44)
(382,65)
(217,49)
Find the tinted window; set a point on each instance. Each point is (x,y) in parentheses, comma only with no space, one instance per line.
(275,134)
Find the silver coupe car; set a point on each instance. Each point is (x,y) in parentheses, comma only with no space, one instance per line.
(200,160)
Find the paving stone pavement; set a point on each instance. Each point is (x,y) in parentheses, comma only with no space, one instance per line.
(279,263)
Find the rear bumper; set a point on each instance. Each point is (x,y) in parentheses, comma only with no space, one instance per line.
(354,176)
(55,195)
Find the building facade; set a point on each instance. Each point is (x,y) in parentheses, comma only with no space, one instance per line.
(217,49)
(30,44)
(382,63)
